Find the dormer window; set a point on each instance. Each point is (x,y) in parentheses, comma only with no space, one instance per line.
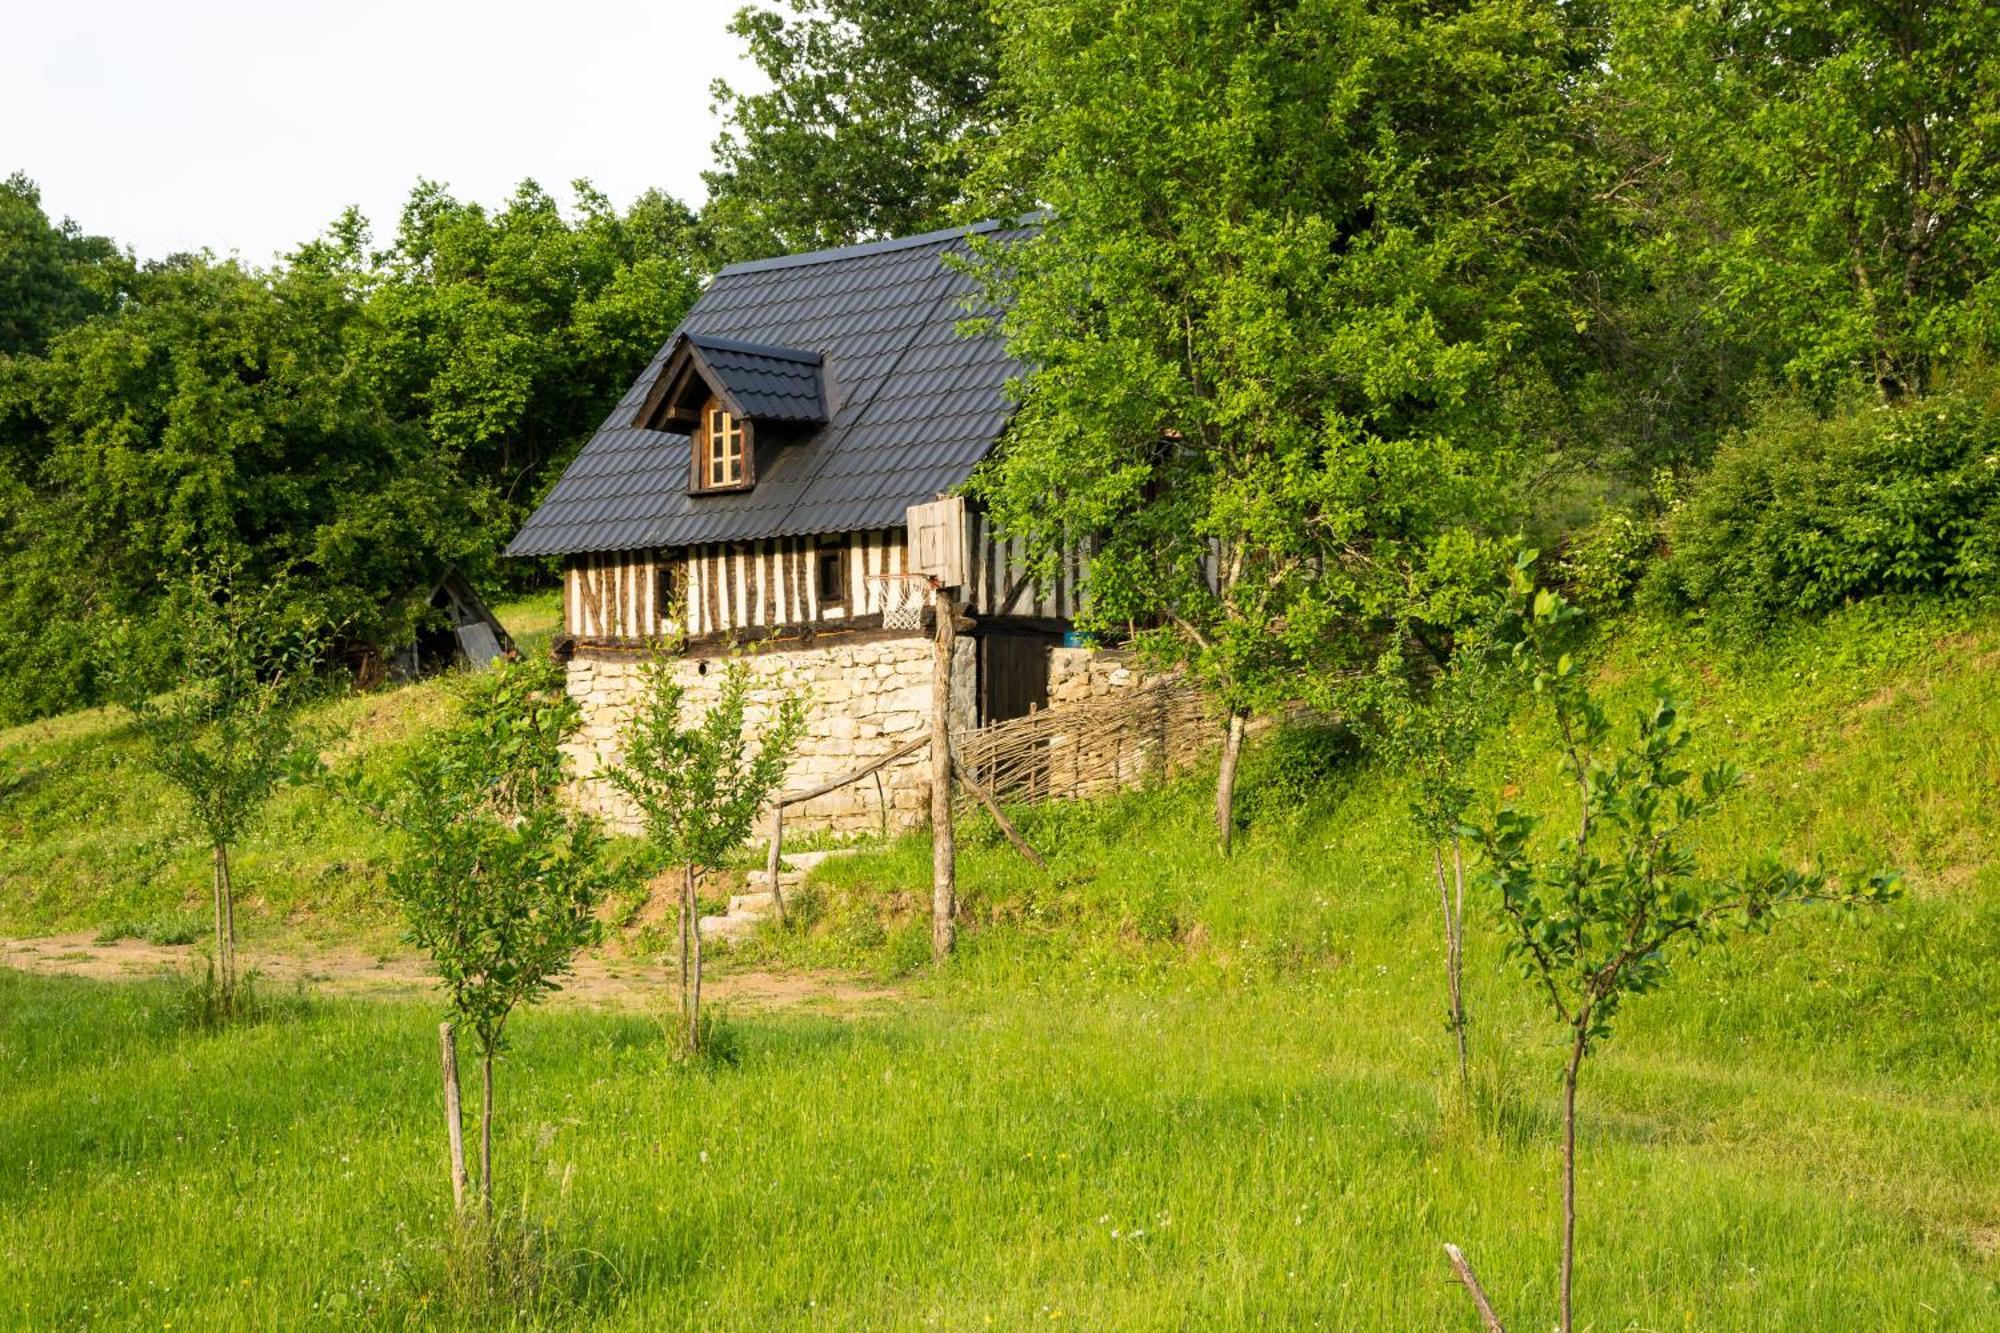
(727,397)
(723,455)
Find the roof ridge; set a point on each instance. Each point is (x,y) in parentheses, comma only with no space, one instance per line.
(775,351)
(856,251)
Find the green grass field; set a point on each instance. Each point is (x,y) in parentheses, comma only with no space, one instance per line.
(1156,1090)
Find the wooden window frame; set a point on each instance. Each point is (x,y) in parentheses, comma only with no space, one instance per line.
(837,594)
(701,463)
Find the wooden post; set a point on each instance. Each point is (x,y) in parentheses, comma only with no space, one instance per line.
(1225,780)
(454,1124)
(944,870)
(772,863)
(1471,1282)
(691,960)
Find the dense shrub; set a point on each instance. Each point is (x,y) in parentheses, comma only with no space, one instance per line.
(1291,770)
(1803,512)
(1603,564)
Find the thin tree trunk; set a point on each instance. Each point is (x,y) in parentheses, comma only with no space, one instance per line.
(694,981)
(221,975)
(1458,952)
(1456,1013)
(944,850)
(1576,1053)
(681,910)
(454,1121)
(229,917)
(229,909)
(486,1132)
(1225,780)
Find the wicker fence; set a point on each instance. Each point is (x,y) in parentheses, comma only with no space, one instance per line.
(1091,746)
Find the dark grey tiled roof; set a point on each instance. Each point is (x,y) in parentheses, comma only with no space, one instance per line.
(913,406)
(768,383)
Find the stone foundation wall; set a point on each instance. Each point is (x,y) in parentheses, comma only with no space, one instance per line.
(863,700)
(1093,673)
(1090,759)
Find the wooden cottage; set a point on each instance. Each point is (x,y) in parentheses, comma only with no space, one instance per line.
(755,494)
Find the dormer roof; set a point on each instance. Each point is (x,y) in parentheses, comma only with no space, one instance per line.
(907,405)
(755,381)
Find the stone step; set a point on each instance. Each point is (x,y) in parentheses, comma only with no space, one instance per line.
(731,927)
(752,904)
(786,878)
(804,861)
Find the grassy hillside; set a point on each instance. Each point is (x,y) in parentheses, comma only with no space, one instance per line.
(1157,1090)
(90,840)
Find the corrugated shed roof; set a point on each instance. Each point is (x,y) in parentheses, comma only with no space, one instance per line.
(911,407)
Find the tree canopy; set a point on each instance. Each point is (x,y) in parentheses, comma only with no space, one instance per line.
(1328,294)
(1834,166)
(869,127)
(362,419)
(1300,304)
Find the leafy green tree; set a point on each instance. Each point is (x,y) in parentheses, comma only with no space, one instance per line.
(1833,166)
(52,276)
(228,734)
(507,334)
(496,875)
(1599,916)
(874,110)
(365,420)
(1300,304)
(219,415)
(698,786)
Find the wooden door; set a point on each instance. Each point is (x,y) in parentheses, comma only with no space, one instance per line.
(1013,675)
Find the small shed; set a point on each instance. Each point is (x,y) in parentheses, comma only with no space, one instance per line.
(457,630)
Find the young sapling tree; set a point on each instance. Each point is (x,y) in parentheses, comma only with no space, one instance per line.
(698,787)
(497,876)
(230,734)
(1427,724)
(1599,915)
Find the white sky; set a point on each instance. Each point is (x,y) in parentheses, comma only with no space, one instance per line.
(247,125)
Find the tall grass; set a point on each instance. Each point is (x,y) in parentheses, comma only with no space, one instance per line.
(1157,1090)
(1129,1156)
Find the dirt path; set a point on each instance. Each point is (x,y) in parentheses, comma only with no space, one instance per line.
(600,981)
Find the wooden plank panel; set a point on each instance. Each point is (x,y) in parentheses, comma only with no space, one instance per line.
(937,539)
(718,598)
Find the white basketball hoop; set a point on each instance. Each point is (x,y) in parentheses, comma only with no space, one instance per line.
(902,598)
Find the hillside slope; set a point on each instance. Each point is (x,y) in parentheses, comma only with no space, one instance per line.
(90,840)
(1156,1090)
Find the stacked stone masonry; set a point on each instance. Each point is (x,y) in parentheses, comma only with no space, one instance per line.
(864,699)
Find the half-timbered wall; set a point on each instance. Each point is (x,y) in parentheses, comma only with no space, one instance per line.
(997,582)
(725,587)
(773,585)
